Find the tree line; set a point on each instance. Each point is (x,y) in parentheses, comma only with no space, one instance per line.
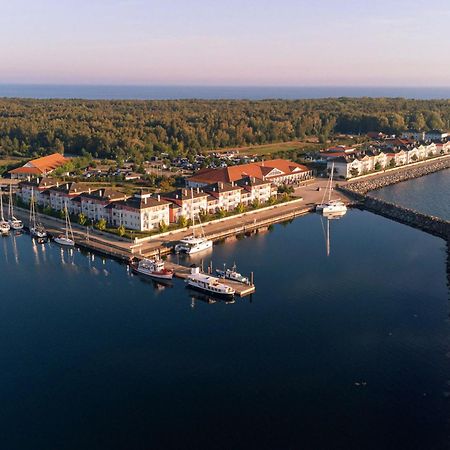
(138,130)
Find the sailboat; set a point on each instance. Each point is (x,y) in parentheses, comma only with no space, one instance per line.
(331,206)
(4,225)
(37,230)
(14,223)
(193,244)
(64,239)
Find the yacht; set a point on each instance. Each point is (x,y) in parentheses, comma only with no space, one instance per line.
(208,283)
(153,268)
(194,244)
(14,223)
(37,230)
(331,206)
(334,207)
(66,240)
(232,274)
(4,225)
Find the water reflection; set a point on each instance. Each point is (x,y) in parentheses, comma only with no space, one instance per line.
(208,299)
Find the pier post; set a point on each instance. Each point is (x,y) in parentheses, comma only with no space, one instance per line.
(251,278)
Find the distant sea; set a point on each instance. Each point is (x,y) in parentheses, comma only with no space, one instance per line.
(116,92)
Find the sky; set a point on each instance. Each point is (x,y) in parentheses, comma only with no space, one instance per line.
(230,42)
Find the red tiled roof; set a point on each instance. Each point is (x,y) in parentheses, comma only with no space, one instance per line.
(42,165)
(28,170)
(258,170)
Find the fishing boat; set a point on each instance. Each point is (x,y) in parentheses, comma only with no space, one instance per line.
(4,225)
(14,223)
(67,239)
(208,283)
(330,206)
(37,230)
(194,244)
(152,268)
(232,274)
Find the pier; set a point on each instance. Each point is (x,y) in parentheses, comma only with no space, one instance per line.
(241,289)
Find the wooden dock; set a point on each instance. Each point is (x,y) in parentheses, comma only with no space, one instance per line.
(182,272)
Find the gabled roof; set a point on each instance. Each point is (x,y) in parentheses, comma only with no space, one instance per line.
(259,170)
(41,165)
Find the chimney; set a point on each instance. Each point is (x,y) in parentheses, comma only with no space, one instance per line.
(89,190)
(57,184)
(198,190)
(145,200)
(159,198)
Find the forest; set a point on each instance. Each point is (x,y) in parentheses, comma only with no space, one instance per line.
(138,130)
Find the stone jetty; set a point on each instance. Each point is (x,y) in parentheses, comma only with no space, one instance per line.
(359,191)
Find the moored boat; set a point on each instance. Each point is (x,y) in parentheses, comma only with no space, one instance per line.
(192,244)
(208,283)
(14,223)
(232,274)
(67,239)
(37,230)
(331,206)
(152,268)
(4,225)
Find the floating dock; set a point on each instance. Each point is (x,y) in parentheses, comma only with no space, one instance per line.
(182,272)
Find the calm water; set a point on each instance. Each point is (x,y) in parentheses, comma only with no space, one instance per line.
(347,351)
(430,194)
(216,92)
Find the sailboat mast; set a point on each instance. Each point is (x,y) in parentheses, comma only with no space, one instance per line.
(1,206)
(192,212)
(32,221)
(10,205)
(331,182)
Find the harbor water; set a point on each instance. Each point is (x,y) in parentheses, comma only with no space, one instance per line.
(429,194)
(341,349)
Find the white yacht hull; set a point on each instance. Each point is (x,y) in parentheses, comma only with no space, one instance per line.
(192,249)
(64,242)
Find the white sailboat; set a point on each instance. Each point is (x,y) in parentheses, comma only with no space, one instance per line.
(37,230)
(193,244)
(4,225)
(14,223)
(330,206)
(67,240)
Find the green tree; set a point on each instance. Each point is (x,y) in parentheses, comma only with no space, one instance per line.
(82,219)
(101,224)
(240,208)
(163,227)
(354,172)
(182,222)
(121,230)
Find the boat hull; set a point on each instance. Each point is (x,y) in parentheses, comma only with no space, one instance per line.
(64,242)
(166,275)
(221,295)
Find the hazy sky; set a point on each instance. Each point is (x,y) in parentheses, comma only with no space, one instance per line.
(235,42)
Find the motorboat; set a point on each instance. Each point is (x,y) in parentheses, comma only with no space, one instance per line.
(153,268)
(232,274)
(208,283)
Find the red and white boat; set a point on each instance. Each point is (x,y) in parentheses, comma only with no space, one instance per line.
(152,268)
